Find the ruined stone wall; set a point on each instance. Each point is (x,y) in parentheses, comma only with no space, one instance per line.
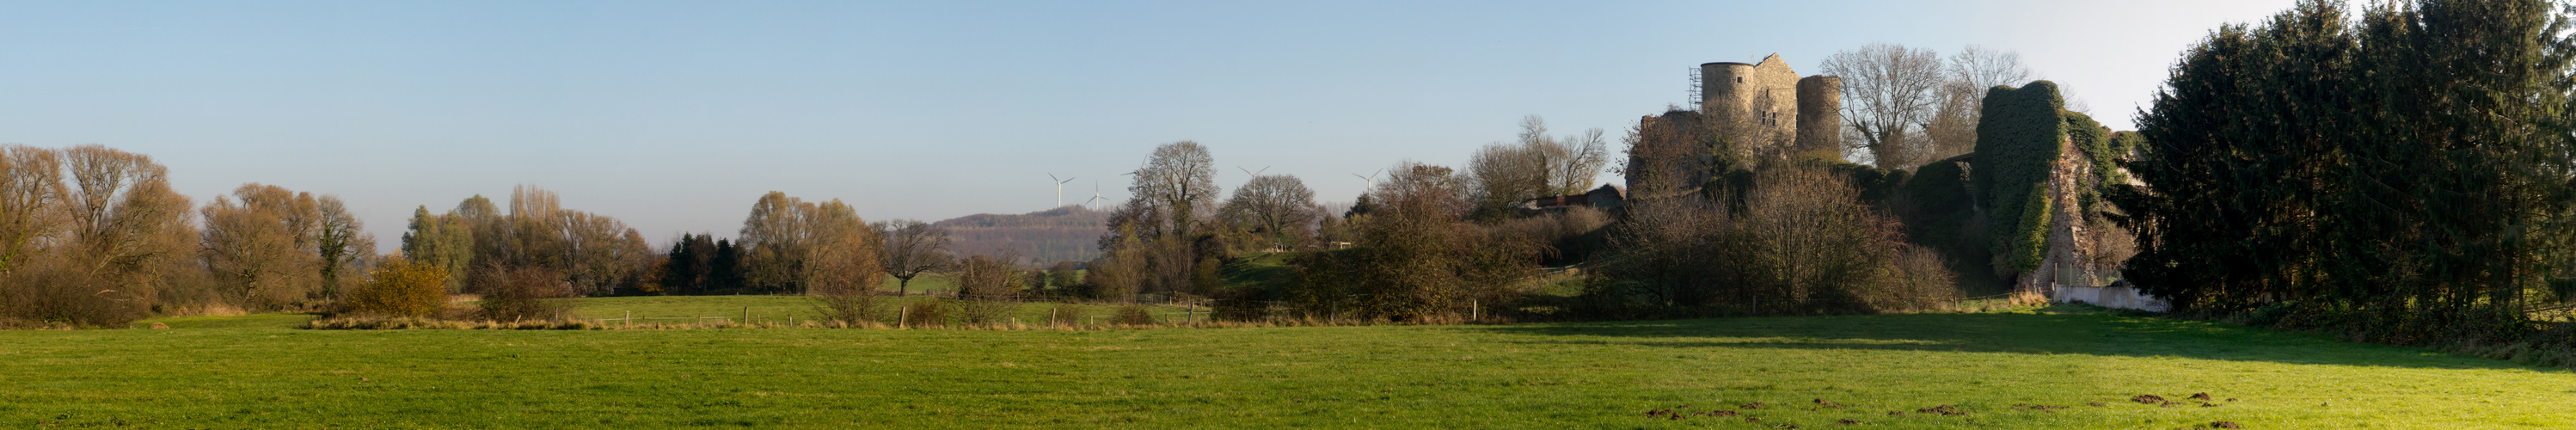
(2069,259)
(1668,155)
(1775,105)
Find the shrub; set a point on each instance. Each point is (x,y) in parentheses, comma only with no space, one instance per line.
(401,287)
(1802,242)
(1134,315)
(523,293)
(851,309)
(1566,236)
(1240,303)
(985,278)
(55,292)
(1064,275)
(927,312)
(1920,280)
(984,290)
(995,311)
(1065,314)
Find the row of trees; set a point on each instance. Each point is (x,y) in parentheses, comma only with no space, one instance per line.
(271,248)
(2406,172)
(91,235)
(1415,246)
(479,245)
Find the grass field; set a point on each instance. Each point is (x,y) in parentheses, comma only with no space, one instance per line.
(783,309)
(1588,375)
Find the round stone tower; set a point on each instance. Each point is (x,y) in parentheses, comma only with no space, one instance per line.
(1726,90)
(1820,112)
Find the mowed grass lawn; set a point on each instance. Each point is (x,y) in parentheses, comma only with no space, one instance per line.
(1586,375)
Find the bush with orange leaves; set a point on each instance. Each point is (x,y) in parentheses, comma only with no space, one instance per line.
(401,287)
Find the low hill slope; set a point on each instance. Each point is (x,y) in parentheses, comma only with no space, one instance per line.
(1060,234)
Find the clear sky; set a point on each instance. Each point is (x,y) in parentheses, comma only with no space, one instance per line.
(676,116)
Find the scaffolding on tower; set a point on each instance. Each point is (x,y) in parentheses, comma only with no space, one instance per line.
(1694,89)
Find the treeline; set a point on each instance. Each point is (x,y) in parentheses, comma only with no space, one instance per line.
(94,236)
(2399,175)
(481,246)
(786,245)
(1777,234)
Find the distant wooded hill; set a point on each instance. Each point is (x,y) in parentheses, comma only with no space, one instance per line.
(1065,233)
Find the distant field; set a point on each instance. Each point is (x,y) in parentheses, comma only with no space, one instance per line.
(1586,375)
(926,283)
(783,309)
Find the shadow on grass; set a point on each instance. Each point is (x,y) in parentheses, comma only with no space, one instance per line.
(2089,334)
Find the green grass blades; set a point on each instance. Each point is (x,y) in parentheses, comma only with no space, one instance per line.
(1994,370)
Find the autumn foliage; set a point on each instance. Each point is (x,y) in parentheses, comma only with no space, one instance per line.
(401,287)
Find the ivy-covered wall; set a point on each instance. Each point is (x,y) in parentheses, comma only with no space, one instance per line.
(2017,139)
(2099,148)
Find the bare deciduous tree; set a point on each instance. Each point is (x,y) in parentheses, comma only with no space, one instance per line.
(1577,160)
(342,242)
(1953,127)
(912,248)
(1982,68)
(1501,175)
(786,241)
(1888,95)
(1277,207)
(255,241)
(772,239)
(1180,180)
(124,217)
(31,193)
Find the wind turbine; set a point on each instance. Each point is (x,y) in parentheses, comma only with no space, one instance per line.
(1095,195)
(1059,189)
(1371,180)
(1252,173)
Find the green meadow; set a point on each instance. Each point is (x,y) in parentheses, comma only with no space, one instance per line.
(797,309)
(2028,369)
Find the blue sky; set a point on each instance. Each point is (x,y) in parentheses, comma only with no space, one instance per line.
(675,116)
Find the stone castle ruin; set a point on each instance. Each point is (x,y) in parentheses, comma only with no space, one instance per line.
(2026,205)
(1761,110)
(1772,100)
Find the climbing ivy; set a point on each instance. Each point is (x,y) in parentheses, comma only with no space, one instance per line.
(2030,246)
(2096,143)
(2018,138)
